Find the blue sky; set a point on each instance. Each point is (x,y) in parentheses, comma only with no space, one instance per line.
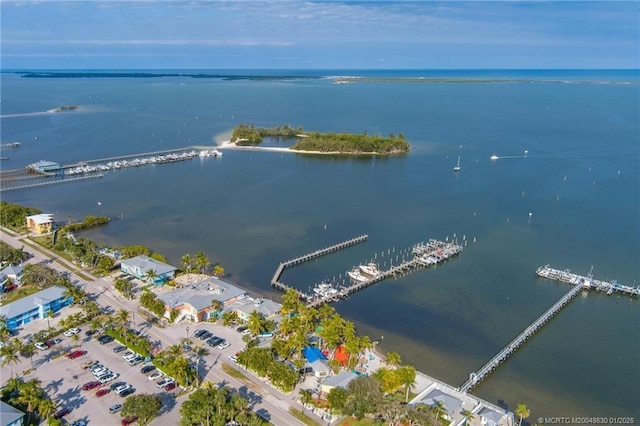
(319,34)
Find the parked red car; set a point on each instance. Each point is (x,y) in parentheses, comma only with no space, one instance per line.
(103,392)
(127,421)
(76,354)
(60,414)
(170,386)
(91,385)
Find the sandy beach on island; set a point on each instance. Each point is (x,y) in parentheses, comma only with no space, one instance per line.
(232,145)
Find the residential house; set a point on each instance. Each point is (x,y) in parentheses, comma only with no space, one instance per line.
(317,361)
(35,306)
(11,275)
(40,223)
(265,307)
(340,380)
(139,267)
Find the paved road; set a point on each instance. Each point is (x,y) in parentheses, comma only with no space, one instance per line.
(265,400)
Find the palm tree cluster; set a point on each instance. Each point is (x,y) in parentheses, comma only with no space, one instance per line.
(300,323)
(201,262)
(30,397)
(173,363)
(12,256)
(217,406)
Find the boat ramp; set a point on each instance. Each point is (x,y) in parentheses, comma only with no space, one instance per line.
(578,283)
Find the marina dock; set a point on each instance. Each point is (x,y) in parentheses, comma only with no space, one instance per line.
(423,255)
(578,283)
(587,282)
(35,175)
(275,280)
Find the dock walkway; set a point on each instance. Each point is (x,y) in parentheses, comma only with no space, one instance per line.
(587,282)
(275,280)
(485,370)
(424,255)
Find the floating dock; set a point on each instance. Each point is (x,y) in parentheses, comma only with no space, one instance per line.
(578,283)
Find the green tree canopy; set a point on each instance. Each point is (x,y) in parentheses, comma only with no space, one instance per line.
(145,406)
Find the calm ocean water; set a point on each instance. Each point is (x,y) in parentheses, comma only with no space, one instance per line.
(250,210)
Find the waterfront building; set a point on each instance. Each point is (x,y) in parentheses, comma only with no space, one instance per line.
(139,267)
(456,403)
(265,307)
(40,223)
(35,306)
(194,302)
(9,415)
(43,166)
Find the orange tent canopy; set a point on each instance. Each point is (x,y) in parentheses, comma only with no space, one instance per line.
(341,355)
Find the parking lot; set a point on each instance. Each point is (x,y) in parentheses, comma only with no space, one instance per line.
(62,378)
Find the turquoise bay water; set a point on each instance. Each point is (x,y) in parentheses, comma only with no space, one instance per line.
(250,210)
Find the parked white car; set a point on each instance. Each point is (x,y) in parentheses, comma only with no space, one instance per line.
(71,332)
(156,375)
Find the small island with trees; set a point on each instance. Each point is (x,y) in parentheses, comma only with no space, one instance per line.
(322,143)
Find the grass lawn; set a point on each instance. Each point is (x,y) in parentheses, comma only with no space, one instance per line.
(356,422)
(19,293)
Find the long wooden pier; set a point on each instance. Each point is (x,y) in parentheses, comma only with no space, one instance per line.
(578,283)
(48,182)
(485,370)
(275,280)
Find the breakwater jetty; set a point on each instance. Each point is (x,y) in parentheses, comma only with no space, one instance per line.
(578,283)
(421,255)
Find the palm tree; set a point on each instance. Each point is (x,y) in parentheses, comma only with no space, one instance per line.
(523,412)
(31,394)
(305,398)
(46,408)
(75,338)
(393,359)
(187,263)
(49,315)
(122,317)
(29,350)
(407,378)
(218,271)
(440,408)
(468,416)
(199,352)
(9,356)
(202,262)
(150,276)
(255,322)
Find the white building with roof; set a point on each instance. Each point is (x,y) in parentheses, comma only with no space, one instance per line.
(12,274)
(455,405)
(139,267)
(35,306)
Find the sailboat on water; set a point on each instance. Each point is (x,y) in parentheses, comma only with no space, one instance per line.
(457,167)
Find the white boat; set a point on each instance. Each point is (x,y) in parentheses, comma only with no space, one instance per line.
(494,157)
(369,269)
(356,276)
(325,290)
(457,168)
